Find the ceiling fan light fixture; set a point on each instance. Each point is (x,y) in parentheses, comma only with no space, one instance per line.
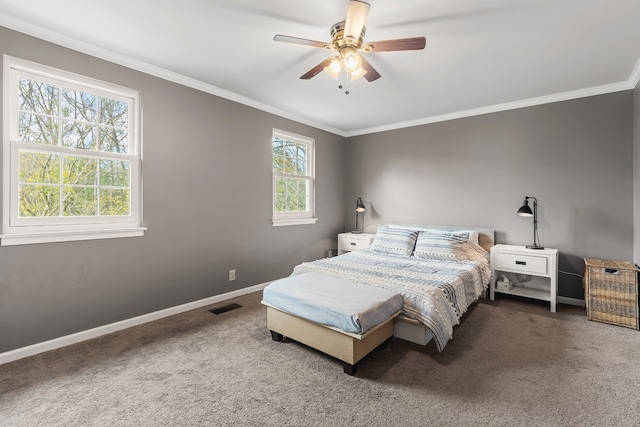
(334,67)
(351,61)
(355,75)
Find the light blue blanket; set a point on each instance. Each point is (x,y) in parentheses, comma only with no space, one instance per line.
(332,301)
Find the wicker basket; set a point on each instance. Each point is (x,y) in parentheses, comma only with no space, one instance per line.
(611,292)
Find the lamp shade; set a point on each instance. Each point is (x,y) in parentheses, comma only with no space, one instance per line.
(334,67)
(355,75)
(359,205)
(351,61)
(525,210)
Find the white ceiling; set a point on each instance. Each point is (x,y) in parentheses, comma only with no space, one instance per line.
(481,56)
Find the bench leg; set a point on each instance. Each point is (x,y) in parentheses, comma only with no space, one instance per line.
(349,369)
(276,336)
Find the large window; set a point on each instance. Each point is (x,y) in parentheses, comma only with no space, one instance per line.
(293,179)
(71,157)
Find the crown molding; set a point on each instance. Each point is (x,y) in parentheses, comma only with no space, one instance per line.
(565,96)
(107,55)
(126,61)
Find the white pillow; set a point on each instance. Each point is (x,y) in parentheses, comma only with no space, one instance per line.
(394,241)
(440,246)
(470,235)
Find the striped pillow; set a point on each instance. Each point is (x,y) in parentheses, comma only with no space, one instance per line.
(447,246)
(394,241)
(470,235)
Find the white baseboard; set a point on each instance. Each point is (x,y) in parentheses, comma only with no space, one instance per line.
(571,301)
(34,349)
(41,347)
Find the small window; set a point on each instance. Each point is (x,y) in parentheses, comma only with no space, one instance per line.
(71,166)
(293,179)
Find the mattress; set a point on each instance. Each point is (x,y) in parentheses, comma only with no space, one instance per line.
(333,301)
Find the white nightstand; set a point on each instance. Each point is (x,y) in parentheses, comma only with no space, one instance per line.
(348,242)
(540,264)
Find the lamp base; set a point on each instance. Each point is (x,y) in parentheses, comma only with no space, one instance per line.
(356,232)
(534,246)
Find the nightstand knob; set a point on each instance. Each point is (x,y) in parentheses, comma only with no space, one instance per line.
(352,243)
(521,262)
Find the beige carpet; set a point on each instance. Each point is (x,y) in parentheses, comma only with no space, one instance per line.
(510,363)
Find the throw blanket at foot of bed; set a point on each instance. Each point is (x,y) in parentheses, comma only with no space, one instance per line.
(344,319)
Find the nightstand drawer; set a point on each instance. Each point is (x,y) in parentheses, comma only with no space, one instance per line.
(353,243)
(522,263)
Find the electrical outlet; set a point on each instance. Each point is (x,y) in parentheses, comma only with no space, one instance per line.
(232,275)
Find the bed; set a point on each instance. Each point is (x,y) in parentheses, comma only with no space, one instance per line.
(437,271)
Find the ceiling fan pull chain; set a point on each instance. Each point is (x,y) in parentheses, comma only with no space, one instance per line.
(344,82)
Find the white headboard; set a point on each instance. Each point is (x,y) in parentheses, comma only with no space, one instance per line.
(486,237)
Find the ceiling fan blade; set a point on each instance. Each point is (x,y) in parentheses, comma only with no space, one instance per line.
(412,43)
(371,74)
(298,40)
(357,13)
(315,70)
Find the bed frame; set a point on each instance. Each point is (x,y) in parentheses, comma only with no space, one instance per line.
(351,348)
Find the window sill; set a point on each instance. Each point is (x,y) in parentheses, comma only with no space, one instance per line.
(69,236)
(293,221)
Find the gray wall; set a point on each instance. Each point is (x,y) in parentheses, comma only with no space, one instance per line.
(575,156)
(208,209)
(207,203)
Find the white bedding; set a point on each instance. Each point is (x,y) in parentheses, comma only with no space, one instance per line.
(333,301)
(434,292)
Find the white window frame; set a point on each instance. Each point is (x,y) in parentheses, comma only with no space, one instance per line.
(19,231)
(295,218)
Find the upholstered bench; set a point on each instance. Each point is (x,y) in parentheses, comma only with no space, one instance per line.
(344,319)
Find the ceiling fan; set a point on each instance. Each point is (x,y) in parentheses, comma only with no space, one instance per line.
(347,42)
